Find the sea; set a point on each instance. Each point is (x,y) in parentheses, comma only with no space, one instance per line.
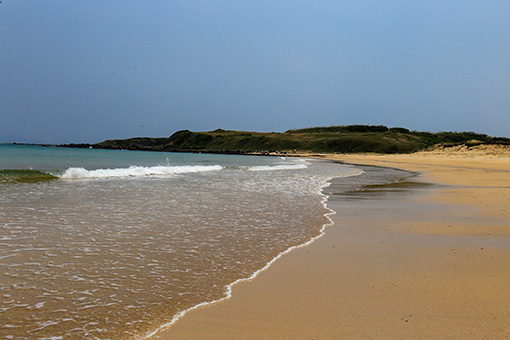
(112,244)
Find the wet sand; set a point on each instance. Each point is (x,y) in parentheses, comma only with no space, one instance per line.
(422,262)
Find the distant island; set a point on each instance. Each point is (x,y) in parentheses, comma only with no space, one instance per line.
(333,139)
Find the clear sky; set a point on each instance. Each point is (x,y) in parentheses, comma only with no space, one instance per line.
(86,71)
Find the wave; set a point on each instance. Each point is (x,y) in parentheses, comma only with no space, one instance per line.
(296,165)
(34,176)
(229,287)
(278,167)
(136,171)
(25,176)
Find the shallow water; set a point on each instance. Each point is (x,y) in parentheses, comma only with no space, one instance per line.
(113,253)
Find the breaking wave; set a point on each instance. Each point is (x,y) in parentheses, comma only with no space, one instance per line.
(161,170)
(278,167)
(136,171)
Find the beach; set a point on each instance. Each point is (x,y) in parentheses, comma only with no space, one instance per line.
(426,259)
(111,244)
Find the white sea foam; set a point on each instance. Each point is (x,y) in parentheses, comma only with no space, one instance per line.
(39,305)
(101,240)
(295,164)
(278,167)
(137,171)
(228,289)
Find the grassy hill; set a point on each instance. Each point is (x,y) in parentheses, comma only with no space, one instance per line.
(333,139)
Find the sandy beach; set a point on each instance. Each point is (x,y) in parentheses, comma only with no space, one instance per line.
(430,260)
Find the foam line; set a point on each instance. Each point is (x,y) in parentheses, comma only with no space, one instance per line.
(228,289)
(278,167)
(136,171)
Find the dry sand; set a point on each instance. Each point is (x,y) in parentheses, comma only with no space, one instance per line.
(428,263)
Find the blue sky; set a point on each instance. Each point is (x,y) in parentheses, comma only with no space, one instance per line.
(86,71)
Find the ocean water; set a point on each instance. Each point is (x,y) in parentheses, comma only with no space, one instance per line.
(101,244)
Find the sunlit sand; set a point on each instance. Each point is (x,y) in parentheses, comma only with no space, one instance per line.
(428,262)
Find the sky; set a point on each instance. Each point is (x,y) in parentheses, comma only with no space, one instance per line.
(86,71)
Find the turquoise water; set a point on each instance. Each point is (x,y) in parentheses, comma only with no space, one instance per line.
(32,163)
(33,157)
(120,243)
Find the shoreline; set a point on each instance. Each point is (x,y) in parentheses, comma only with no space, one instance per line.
(286,302)
(228,289)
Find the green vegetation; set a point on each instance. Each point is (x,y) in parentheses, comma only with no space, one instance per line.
(333,139)
(139,143)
